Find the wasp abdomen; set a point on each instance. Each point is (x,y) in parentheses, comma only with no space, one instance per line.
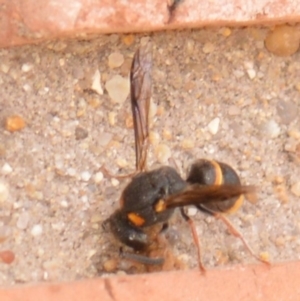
(209,172)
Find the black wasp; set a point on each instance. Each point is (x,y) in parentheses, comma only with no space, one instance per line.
(152,196)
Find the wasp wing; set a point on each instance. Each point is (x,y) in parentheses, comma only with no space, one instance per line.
(140,79)
(196,194)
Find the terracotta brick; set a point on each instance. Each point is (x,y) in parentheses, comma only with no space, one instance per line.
(259,282)
(27,21)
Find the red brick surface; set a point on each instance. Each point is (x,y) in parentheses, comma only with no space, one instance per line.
(280,282)
(26,21)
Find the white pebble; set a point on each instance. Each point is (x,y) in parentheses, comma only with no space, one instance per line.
(115,60)
(115,182)
(118,88)
(64,204)
(58,226)
(208,47)
(23,220)
(36,230)
(6,169)
(191,211)
(26,67)
(96,85)
(71,172)
(85,176)
(4,68)
(296,189)
(162,153)
(26,87)
(98,177)
(248,65)
(213,126)
(238,73)
(251,73)
(272,129)
(84,199)
(4,193)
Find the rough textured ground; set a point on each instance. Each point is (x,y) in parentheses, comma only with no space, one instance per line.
(218,94)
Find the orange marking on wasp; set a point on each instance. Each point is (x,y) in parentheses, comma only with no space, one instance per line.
(136,219)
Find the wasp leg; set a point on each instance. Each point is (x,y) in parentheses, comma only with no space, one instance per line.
(141,258)
(195,237)
(233,231)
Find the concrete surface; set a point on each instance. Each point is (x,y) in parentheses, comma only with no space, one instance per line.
(218,94)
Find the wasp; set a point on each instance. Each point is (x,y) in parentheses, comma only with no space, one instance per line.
(152,196)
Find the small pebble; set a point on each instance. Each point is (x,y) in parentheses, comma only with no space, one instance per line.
(14,123)
(167,134)
(251,73)
(208,47)
(294,134)
(26,67)
(115,60)
(225,31)
(281,193)
(59,226)
(187,143)
(265,256)
(296,189)
(50,264)
(213,126)
(94,102)
(36,230)
(26,87)
(238,73)
(6,169)
(84,199)
(80,133)
(190,44)
(283,40)
(152,110)
(104,138)
(23,220)
(115,182)
(85,176)
(64,203)
(98,177)
(4,68)
(121,162)
(234,110)
(118,88)
(249,66)
(71,172)
(162,153)
(112,118)
(110,265)
(7,256)
(128,39)
(271,129)
(287,111)
(4,192)
(154,138)
(91,253)
(192,211)
(96,83)
(61,62)
(96,218)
